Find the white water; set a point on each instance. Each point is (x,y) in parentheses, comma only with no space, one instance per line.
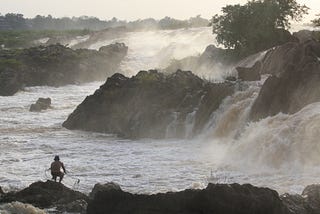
(20,208)
(155,49)
(280,152)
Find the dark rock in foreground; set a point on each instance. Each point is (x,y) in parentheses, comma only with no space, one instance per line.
(216,198)
(41,104)
(45,195)
(150,105)
(56,65)
(294,81)
(306,203)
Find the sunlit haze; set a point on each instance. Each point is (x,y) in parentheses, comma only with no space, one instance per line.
(127,9)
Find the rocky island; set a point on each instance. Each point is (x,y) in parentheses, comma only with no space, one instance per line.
(145,105)
(56,65)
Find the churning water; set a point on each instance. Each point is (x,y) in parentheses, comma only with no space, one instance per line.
(280,152)
(156,49)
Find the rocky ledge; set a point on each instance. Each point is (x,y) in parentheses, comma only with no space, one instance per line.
(56,65)
(215,198)
(47,195)
(294,81)
(150,105)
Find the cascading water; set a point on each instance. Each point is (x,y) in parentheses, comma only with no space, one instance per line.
(279,152)
(155,49)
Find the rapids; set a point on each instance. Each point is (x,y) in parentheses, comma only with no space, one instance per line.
(281,152)
(155,49)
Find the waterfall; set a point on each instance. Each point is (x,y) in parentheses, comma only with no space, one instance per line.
(172,127)
(189,123)
(156,49)
(232,116)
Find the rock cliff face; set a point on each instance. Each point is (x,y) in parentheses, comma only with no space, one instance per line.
(56,65)
(216,198)
(150,105)
(294,81)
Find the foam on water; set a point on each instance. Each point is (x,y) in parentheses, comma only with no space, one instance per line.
(18,207)
(155,49)
(29,141)
(280,152)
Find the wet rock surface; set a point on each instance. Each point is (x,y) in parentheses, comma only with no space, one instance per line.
(216,198)
(250,74)
(41,104)
(294,81)
(56,65)
(150,105)
(110,198)
(47,194)
(306,203)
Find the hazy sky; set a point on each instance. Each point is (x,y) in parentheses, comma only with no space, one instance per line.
(126,9)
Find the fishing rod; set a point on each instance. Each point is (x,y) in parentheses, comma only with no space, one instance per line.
(77,180)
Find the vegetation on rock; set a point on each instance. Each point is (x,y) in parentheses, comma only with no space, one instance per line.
(257,25)
(56,65)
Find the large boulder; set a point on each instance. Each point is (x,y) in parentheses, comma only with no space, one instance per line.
(10,80)
(294,81)
(304,35)
(41,104)
(56,65)
(103,188)
(150,105)
(250,74)
(44,195)
(216,198)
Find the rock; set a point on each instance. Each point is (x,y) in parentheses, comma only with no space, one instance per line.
(294,81)
(103,187)
(150,105)
(41,104)
(250,74)
(231,78)
(44,195)
(56,65)
(311,195)
(294,203)
(303,35)
(10,81)
(1,193)
(306,203)
(78,206)
(118,48)
(216,198)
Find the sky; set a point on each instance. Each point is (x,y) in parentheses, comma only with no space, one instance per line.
(127,9)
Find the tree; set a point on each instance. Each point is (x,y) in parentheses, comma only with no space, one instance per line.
(316,22)
(15,21)
(257,25)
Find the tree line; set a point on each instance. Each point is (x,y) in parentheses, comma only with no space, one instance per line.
(13,21)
